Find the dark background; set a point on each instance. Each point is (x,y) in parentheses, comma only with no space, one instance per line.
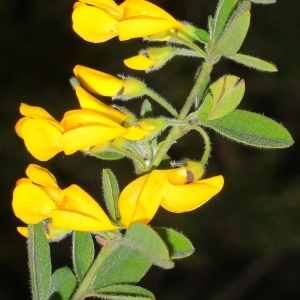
(247,238)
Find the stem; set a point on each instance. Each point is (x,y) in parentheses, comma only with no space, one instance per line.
(188,43)
(84,287)
(177,132)
(207,145)
(162,102)
(129,154)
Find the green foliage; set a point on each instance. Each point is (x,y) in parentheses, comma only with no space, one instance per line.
(223,97)
(202,35)
(122,266)
(145,240)
(63,284)
(111,193)
(263,1)
(179,246)
(235,31)
(253,62)
(82,253)
(124,292)
(39,262)
(108,155)
(252,129)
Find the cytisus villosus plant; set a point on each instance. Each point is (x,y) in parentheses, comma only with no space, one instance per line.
(129,246)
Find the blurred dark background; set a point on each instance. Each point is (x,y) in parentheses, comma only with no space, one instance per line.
(247,238)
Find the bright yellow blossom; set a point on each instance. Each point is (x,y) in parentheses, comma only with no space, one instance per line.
(142,18)
(38,198)
(95,123)
(107,85)
(100,20)
(175,190)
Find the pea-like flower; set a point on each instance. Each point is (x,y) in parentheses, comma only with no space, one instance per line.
(95,123)
(100,20)
(38,198)
(104,84)
(176,190)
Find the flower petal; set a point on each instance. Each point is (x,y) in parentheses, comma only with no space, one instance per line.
(135,133)
(183,198)
(31,204)
(87,101)
(88,136)
(140,199)
(108,6)
(41,176)
(93,24)
(79,211)
(75,221)
(41,139)
(98,82)
(138,62)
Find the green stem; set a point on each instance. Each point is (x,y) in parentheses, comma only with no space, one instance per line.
(162,102)
(129,154)
(177,132)
(201,52)
(85,286)
(207,145)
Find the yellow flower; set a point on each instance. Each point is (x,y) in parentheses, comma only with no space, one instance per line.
(40,131)
(94,124)
(175,190)
(142,18)
(102,20)
(96,22)
(38,198)
(107,85)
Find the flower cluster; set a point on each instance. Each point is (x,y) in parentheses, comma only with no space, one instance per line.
(80,129)
(96,127)
(39,198)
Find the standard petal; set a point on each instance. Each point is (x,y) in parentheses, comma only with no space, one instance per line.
(37,112)
(108,6)
(41,139)
(98,82)
(93,24)
(88,136)
(31,204)
(138,62)
(140,199)
(183,198)
(87,101)
(41,176)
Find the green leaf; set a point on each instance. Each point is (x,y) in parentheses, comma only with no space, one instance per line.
(235,31)
(146,110)
(179,246)
(111,194)
(253,62)
(148,243)
(124,292)
(224,95)
(123,265)
(39,262)
(252,129)
(263,1)
(82,253)
(223,13)
(63,284)
(108,155)
(202,35)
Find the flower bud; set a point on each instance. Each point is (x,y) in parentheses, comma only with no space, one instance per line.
(195,170)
